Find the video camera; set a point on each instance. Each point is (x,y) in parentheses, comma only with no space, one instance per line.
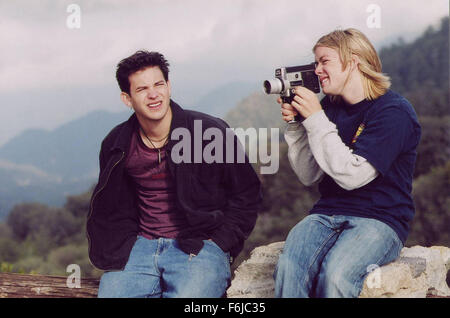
(287,78)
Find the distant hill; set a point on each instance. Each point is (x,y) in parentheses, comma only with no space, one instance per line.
(420,70)
(224,98)
(44,166)
(67,151)
(258,110)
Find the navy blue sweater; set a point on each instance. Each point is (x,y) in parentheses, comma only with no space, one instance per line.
(386,132)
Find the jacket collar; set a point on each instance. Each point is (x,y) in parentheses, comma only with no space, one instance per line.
(124,137)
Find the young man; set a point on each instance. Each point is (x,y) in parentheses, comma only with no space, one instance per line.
(360,144)
(161,227)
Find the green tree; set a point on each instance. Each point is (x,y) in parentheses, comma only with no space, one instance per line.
(434,145)
(43,227)
(420,70)
(25,218)
(78,205)
(8,252)
(431,193)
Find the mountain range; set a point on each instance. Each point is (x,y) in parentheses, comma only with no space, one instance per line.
(45,166)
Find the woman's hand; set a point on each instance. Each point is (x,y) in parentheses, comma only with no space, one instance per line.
(305,102)
(287,111)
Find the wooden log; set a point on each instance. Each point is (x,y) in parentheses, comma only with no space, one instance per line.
(42,286)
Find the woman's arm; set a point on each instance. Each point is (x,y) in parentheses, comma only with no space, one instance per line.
(337,160)
(300,156)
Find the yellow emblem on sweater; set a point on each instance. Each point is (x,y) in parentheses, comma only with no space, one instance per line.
(358,132)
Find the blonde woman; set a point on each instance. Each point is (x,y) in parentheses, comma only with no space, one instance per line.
(360,143)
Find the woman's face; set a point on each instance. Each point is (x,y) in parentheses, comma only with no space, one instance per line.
(333,78)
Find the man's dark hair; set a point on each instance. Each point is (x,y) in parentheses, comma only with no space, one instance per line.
(139,61)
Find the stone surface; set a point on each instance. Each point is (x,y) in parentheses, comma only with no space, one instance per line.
(254,277)
(418,272)
(417,265)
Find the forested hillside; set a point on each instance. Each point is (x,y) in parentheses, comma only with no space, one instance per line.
(419,70)
(37,238)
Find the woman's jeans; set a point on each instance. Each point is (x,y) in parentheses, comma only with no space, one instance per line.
(158,268)
(330,256)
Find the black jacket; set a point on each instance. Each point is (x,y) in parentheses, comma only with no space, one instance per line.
(220,200)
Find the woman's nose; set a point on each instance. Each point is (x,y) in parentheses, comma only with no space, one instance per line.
(318,69)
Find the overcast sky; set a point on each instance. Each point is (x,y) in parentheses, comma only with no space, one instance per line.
(50,73)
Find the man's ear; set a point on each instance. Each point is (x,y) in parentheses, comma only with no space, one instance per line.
(126,99)
(170,88)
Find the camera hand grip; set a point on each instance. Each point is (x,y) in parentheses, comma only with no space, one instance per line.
(287,100)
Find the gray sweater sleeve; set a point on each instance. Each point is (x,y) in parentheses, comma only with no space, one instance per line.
(328,154)
(300,156)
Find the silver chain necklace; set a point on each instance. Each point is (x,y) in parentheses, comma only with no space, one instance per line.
(159,149)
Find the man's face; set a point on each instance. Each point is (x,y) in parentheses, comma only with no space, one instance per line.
(330,71)
(149,95)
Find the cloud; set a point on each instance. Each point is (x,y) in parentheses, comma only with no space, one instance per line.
(43,52)
(208,42)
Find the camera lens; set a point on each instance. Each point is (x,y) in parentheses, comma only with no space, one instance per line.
(274,86)
(267,87)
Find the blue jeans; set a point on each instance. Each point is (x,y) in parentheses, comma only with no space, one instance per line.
(158,268)
(330,256)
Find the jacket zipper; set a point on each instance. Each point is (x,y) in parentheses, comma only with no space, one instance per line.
(92,207)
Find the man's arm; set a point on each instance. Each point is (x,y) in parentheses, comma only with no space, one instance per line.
(243,202)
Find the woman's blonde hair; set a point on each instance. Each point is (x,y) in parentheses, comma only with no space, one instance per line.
(352,41)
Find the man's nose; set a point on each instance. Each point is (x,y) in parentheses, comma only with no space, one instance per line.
(152,93)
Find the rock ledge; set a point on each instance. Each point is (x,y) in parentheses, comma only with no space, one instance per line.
(418,272)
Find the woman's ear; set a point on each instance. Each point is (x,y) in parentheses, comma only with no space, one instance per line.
(355,61)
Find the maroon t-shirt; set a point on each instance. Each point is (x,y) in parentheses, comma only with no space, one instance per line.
(158,215)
